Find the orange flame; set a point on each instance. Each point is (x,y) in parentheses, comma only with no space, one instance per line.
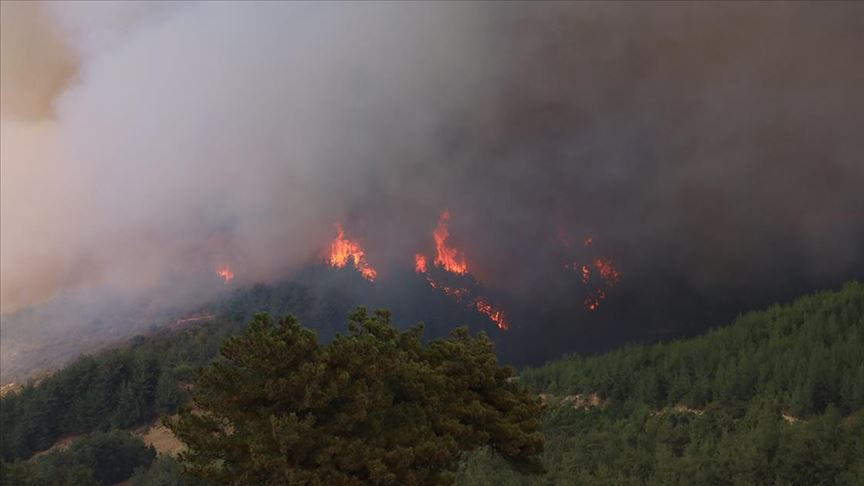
(601,270)
(342,250)
(447,257)
(225,273)
(452,261)
(497,315)
(419,263)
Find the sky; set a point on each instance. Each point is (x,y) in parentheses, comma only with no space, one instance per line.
(712,151)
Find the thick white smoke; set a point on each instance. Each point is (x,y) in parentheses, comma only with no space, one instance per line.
(193,134)
(713,149)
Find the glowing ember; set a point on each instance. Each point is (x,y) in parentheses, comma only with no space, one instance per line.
(607,271)
(456,292)
(343,250)
(592,302)
(586,273)
(598,271)
(420,263)
(225,273)
(448,258)
(496,315)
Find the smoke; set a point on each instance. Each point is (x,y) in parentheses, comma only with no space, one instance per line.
(712,150)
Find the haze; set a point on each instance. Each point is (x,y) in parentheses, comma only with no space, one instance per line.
(714,151)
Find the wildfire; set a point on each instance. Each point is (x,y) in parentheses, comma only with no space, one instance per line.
(586,273)
(607,275)
(496,315)
(592,302)
(225,273)
(447,257)
(452,261)
(342,250)
(420,263)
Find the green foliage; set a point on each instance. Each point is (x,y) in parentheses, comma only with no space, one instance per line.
(710,410)
(804,360)
(98,458)
(806,356)
(127,387)
(45,474)
(373,406)
(164,471)
(116,389)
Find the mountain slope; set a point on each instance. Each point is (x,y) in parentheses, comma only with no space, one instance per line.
(776,397)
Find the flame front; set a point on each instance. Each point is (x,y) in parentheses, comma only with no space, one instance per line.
(448,258)
(343,250)
(225,273)
(420,263)
(497,315)
(452,261)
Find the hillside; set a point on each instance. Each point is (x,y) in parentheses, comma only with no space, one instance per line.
(777,396)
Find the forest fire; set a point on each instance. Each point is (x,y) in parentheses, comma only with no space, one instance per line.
(452,261)
(225,273)
(448,271)
(420,263)
(586,273)
(607,275)
(342,250)
(448,258)
(497,315)
(592,301)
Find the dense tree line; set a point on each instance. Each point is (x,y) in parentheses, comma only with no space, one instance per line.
(806,356)
(95,459)
(718,447)
(126,387)
(135,384)
(777,397)
(774,398)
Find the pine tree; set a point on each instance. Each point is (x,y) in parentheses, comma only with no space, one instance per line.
(168,394)
(375,406)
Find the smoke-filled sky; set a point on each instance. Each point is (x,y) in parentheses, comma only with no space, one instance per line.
(714,151)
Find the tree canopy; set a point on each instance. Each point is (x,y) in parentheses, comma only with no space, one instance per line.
(97,458)
(374,406)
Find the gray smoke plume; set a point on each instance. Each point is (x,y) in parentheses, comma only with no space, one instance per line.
(713,151)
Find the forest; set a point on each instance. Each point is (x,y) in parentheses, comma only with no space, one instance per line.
(777,396)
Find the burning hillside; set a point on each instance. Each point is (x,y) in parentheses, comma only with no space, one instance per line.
(224,272)
(448,272)
(449,260)
(598,275)
(343,251)
(691,187)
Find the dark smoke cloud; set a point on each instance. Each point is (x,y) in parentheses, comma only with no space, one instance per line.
(713,151)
